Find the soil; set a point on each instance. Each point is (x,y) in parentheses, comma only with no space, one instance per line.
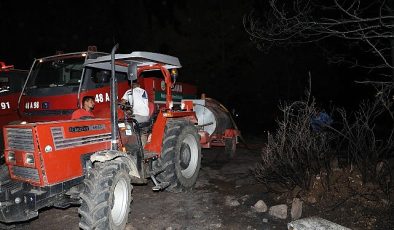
(224,196)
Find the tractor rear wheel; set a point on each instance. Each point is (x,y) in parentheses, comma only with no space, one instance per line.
(230,146)
(107,196)
(180,156)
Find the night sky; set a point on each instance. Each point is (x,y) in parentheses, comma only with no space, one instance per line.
(208,37)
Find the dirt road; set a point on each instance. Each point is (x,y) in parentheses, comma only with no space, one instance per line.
(222,199)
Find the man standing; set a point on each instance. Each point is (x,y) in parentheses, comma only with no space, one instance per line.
(86,111)
(138,100)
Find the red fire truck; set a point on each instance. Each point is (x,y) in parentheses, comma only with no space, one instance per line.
(57,84)
(11,82)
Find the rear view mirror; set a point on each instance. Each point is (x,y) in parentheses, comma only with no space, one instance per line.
(132,71)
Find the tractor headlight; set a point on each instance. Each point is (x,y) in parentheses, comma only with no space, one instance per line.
(171,105)
(11,157)
(183,106)
(29,159)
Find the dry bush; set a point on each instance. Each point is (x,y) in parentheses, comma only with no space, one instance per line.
(366,137)
(295,152)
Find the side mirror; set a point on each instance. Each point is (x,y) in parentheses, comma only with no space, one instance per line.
(132,71)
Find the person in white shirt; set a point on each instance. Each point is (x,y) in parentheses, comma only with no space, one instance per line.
(138,100)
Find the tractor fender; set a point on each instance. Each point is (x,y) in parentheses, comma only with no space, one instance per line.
(108,155)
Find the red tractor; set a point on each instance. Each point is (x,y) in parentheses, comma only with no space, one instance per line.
(11,82)
(94,162)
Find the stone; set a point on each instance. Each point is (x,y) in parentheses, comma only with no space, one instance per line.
(311,199)
(260,206)
(296,209)
(231,201)
(278,211)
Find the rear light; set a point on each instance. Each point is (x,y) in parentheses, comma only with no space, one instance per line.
(11,157)
(29,159)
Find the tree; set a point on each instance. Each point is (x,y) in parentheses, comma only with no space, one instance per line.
(366,26)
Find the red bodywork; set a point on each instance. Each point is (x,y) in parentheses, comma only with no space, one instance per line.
(57,148)
(11,78)
(68,102)
(60,107)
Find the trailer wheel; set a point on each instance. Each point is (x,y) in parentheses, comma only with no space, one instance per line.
(107,196)
(230,147)
(181,156)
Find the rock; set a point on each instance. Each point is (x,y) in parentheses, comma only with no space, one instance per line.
(260,206)
(129,227)
(231,201)
(314,223)
(265,220)
(244,198)
(296,209)
(278,211)
(311,199)
(217,225)
(296,191)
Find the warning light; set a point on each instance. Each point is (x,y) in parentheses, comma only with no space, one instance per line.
(5,67)
(174,72)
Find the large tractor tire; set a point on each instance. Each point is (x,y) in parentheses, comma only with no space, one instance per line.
(107,196)
(180,156)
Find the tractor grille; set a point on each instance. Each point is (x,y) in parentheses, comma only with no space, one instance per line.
(25,173)
(20,139)
(62,143)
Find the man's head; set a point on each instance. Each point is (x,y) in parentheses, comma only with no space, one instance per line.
(135,84)
(88,103)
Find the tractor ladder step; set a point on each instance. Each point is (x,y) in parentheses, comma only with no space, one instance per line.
(148,155)
(159,186)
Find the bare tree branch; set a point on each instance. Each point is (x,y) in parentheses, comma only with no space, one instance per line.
(369,25)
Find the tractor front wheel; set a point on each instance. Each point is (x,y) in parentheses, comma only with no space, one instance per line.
(181,156)
(107,196)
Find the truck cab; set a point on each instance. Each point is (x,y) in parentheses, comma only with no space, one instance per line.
(11,82)
(57,84)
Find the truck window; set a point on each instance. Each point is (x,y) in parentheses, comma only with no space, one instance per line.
(56,73)
(12,81)
(99,77)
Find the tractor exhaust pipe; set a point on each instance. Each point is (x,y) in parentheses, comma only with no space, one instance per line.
(114,96)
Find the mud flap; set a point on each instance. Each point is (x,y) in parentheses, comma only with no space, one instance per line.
(108,155)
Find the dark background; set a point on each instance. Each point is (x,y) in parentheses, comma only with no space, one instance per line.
(207,36)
